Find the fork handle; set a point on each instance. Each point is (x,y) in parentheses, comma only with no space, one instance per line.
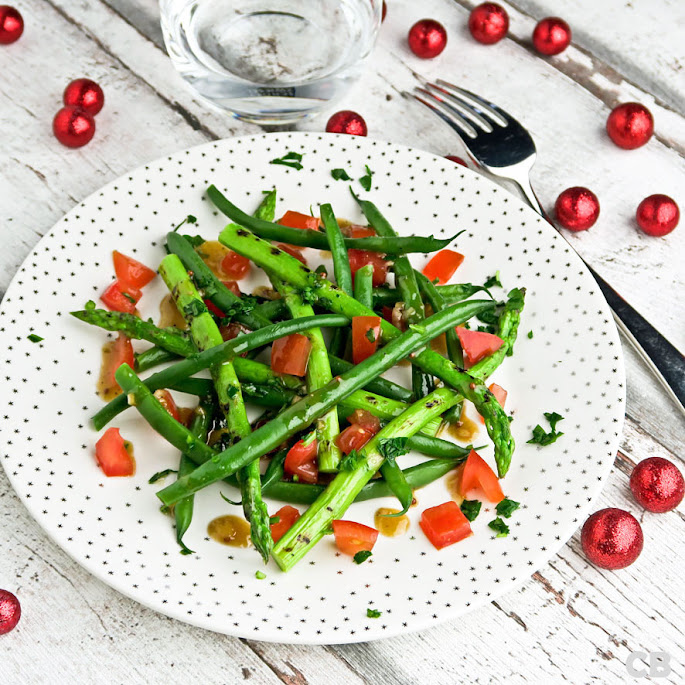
(662,358)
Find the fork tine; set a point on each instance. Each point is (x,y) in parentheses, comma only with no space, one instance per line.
(447,113)
(463,108)
(483,106)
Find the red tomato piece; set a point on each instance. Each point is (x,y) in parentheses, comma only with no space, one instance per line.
(445,524)
(291,354)
(167,401)
(213,309)
(500,395)
(477,345)
(112,456)
(353,438)
(360,258)
(301,461)
(477,475)
(235,266)
(233,330)
(366,420)
(366,332)
(122,353)
(233,287)
(130,272)
(297,220)
(386,313)
(352,537)
(120,299)
(293,251)
(442,266)
(355,231)
(287,516)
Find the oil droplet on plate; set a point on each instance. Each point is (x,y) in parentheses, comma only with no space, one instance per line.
(230,530)
(464,430)
(391,527)
(453,483)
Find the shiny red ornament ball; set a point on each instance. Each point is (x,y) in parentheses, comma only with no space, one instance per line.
(73,127)
(85,94)
(10,612)
(427,38)
(488,23)
(577,208)
(657,485)
(612,538)
(348,122)
(551,36)
(11,24)
(630,125)
(456,160)
(657,215)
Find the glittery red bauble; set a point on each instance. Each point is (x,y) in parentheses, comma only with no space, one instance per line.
(348,122)
(657,485)
(427,38)
(73,127)
(85,94)
(577,208)
(551,36)
(657,215)
(11,25)
(10,611)
(630,125)
(612,538)
(456,160)
(488,23)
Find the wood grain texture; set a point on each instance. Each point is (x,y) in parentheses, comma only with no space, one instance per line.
(570,622)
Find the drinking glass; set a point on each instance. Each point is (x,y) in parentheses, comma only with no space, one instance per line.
(270,61)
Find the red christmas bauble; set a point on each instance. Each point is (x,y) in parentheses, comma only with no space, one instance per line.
(657,215)
(348,122)
(612,538)
(488,23)
(630,125)
(577,208)
(85,94)
(73,127)
(11,25)
(657,485)
(10,611)
(427,38)
(456,160)
(551,36)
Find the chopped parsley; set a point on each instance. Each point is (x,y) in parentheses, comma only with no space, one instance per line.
(36,338)
(273,520)
(308,295)
(260,575)
(161,474)
(194,308)
(487,329)
(391,448)
(195,240)
(291,159)
(231,391)
(506,507)
(493,281)
(361,556)
(373,613)
(501,528)
(471,508)
(370,336)
(540,437)
(351,461)
(230,501)
(530,335)
(340,175)
(130,298)
(365,181)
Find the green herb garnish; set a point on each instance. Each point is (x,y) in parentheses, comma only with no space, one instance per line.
(273,520)
(370,335)
(540,437)
(130,298)
(507,507)
(340,175)
(230,501)
(161,474)
(361,556)
(194,308)
(373,613)
(365,181)
(530,335)
(195,240)
(471,508)
(391,448)
(493,281)
(291,159)
(36,338)
(501,528)
(351,461)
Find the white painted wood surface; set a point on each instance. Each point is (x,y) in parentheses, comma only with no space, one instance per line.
(570,622)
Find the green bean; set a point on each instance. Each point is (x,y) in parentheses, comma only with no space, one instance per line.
(336,243)
(388,297)
(153,357)
(363,285)
(380,385)
(274,471)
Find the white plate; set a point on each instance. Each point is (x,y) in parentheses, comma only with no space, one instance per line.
(113,527)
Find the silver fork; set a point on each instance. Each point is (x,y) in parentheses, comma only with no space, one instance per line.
(504,148)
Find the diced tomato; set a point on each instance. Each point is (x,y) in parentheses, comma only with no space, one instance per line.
(366,332)
(231,331)
(235,266)
(352,537)
(287,516)
(477,475)
(353,438)
(167,401)
(120,299)
(445,524)
(366,420)
(442,266)
(500,395)
(213,309)
(386,313)
(233,287)
(293,251)
(112,456)
(355,231)
(291,354)
(477,345)
(301,461)
(360,258)
(122,353)
(130,272)
(297,220)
